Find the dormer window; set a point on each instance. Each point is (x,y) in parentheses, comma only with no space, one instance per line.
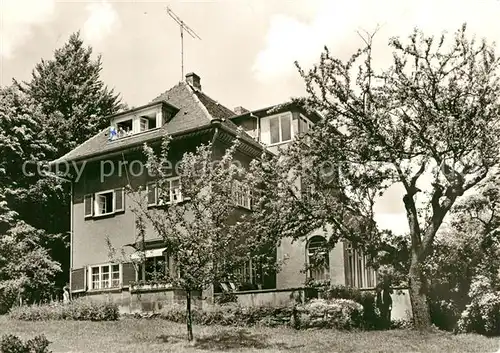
(124,128)
(138,120)
(277,129)
(147,122)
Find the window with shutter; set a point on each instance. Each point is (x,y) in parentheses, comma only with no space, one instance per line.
(119,200)
(78,280)
(128,270)
(104,276)
(88,205)
(151,190)
(104,203)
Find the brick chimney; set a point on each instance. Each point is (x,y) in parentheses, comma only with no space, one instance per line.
(240,110)
(194,80)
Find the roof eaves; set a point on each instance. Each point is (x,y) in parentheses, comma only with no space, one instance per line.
(265,110)
(277,108)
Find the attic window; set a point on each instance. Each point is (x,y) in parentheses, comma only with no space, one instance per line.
(136,121)
(124,128)
(147,123)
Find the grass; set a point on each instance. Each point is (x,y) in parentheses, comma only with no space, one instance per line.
(156,335)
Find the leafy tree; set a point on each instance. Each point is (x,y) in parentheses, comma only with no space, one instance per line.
(6,214)
(64,104)
(469,249)
(25,193)
(22,145)
(21,140)
(26,268)
(429,122)
(72,95)
(207,234)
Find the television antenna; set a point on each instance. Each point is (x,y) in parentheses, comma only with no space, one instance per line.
(183,27)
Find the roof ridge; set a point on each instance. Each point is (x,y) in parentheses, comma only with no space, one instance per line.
(202,106)
(216,102)
(160,96)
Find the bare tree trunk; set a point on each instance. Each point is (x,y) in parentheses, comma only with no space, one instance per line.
(418,296)
(189,321)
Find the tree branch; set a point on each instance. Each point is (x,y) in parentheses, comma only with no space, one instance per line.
(476,180)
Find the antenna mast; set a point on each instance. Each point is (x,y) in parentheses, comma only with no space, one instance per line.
(183,27)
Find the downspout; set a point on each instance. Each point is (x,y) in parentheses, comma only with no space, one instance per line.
(71,228)
(211,294)
(216,123)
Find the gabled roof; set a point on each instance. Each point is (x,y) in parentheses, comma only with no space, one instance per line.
(195,111)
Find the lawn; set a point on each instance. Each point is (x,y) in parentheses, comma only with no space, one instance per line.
(156,335)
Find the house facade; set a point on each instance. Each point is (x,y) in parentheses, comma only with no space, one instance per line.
(104,245)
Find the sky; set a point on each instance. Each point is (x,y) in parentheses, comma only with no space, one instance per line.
(247,49)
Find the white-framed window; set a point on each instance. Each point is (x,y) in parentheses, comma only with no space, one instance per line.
(136,121)
(242,195)
(105,276)
(358,273)
(280,128)
(115,276)
(318,259)
(124,128)
(170,193)
(104,203)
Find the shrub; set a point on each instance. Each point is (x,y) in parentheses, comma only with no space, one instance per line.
(230,315)
(342,314)
(337,313)
(445,313)
(482,314)
(12,344)
(401,324)
(341,292)
(371,320)
(79,309)
(8,298)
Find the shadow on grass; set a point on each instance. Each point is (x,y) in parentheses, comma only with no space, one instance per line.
(228,340)
(171,338)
